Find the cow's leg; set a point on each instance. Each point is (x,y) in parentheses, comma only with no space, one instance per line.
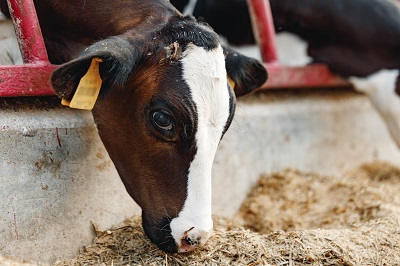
(380,88)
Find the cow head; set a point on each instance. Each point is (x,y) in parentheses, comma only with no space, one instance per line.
(164,105)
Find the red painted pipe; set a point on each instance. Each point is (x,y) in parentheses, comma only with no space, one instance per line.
(32,78)
(284,76)
(26,80)
(311,76)
(27,28)
(263,27)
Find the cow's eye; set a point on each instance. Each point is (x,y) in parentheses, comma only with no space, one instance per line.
(162,120)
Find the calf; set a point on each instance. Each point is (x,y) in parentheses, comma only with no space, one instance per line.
(165,101)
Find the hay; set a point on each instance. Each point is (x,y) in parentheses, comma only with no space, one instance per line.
(359,214)
(292,200)
(128,245)
(375,243)
(362,207)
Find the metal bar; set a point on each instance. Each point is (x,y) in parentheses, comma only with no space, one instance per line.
(284,76)
(311,76)
(263,28)
(32,78)
(26,80)
(27,29)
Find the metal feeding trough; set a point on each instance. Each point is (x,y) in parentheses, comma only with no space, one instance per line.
(32,78)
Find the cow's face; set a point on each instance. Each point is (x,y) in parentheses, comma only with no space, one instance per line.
(162,124)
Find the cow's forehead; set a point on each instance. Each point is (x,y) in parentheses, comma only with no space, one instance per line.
(203,61)
(205,73)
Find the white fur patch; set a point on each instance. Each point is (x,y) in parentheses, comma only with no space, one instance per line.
(380,88)
(205,73)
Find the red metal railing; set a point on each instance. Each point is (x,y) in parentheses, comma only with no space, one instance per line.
(32,78)
(284,76)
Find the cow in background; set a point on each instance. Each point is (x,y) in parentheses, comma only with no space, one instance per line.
(357,39)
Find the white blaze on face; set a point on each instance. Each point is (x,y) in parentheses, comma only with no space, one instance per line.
(205,73)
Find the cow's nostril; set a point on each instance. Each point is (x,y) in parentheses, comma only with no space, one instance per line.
(186,245)
(190,240)
(190,234)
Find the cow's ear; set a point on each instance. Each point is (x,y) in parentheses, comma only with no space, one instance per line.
(247,73)
(117,56)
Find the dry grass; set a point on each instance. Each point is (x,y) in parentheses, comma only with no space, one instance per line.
(292,200)
(374,243)
(128,245)
(359,215)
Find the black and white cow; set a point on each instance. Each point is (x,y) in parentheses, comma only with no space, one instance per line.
(357,39)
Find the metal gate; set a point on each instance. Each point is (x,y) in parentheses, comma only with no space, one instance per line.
(32,78)
(280,76)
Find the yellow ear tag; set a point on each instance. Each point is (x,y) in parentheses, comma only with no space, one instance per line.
(65,102)
(88,88)
(231,82)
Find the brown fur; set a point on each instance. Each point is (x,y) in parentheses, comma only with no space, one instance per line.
(75,24)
